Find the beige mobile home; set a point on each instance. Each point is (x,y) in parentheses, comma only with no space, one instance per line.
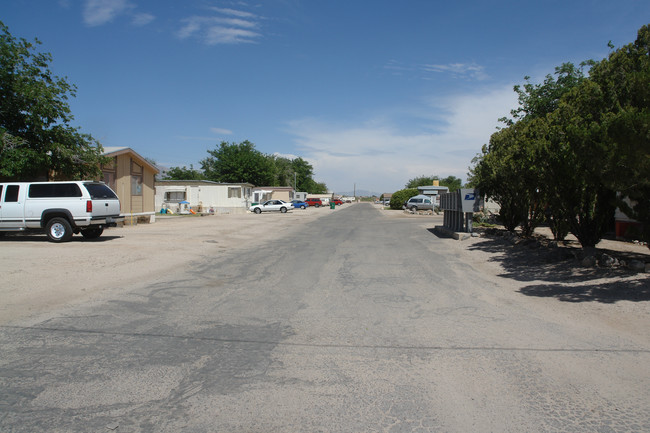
(132,178)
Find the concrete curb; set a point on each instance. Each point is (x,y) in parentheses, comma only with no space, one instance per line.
(447,233)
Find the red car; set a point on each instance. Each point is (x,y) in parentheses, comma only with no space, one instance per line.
(336,201)
(314,202)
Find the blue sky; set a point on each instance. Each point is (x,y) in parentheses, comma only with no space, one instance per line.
(371,93)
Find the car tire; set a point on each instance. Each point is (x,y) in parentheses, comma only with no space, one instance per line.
(283,209)
(258,210)
(92,232)
(58,230)
(414,208)
(303,207)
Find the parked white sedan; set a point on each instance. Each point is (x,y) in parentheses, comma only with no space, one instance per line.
(271,205)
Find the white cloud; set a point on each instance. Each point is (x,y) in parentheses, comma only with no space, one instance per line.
(192,25)
(234,12)
(193,138)
(218,131)
(397,68)
(285,155)
(142,19)
(221,131)
(381,157)
(229,35)
(459,70)
(229,26)
(98,12)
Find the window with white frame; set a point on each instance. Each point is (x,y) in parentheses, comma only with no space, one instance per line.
(174,196)
(136,178)
(234,192)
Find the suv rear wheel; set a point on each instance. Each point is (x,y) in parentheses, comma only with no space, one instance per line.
(58,230)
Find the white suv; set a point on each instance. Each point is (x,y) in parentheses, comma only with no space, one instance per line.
(61,208)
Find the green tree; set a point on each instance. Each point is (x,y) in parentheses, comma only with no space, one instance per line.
(624,82)
(575,142)
(452,182)
(399,197)
(238,162)
(420,181)
(184,173)
(313,187)
(36,139)
(579,154)
(514,169)
(537,100)
(304,173)
(282,171)
(497,174)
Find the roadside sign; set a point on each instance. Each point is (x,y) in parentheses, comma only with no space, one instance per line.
(471,200)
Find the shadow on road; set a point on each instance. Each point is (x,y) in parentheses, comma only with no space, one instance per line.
(561,272)
(42,237)
(637,290)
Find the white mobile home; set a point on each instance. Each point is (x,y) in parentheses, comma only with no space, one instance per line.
(263,193)
(202,196)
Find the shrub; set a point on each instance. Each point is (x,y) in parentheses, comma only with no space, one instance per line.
(399,197)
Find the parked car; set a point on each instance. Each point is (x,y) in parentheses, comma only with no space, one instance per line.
(299,204)
(419,202)
(61,208)
(314,202)
(271,206)
(336,201)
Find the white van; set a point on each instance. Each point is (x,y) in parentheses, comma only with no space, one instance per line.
(419,202)
(61,208)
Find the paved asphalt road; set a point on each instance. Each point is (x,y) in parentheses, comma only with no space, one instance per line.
(358,323)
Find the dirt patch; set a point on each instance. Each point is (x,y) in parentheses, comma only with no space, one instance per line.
(39,275)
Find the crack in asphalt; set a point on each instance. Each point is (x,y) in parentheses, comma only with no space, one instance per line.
(329,345)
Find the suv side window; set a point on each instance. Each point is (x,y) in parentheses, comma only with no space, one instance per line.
(12,193)
(45,190)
